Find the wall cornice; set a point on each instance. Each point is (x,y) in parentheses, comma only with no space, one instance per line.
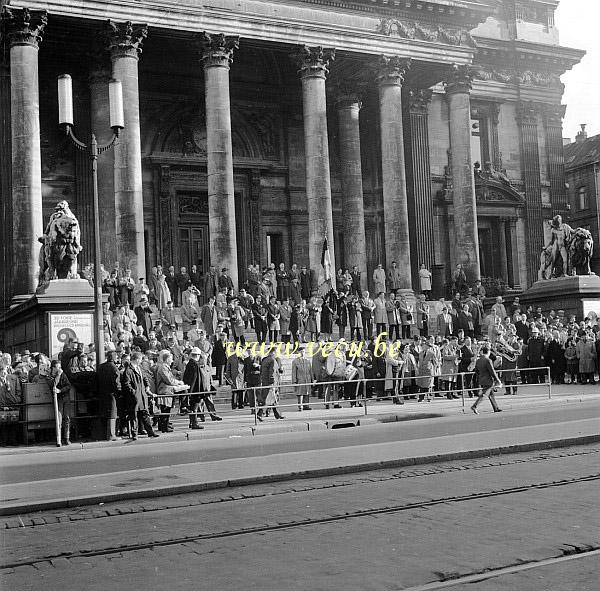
(293,24)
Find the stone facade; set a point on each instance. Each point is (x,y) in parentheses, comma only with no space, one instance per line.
(582,166)
(255,129)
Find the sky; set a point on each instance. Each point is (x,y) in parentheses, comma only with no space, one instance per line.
(578,27)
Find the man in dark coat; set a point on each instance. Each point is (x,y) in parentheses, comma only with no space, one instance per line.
(183,280)
(196,278)
(211,284)
(305,284)
(197,377)
(143,314)
(171,281)
(535,351)
(109,388)
(355,287)
(225,281)
(135,389)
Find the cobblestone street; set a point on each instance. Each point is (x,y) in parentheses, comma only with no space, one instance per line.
(387,529)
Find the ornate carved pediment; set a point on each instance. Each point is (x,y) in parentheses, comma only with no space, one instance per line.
(409,29)
(495,187)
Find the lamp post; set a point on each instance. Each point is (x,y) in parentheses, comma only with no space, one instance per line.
(65,120)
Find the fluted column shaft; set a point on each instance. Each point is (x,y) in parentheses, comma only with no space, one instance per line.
(395,203)
(355,244)
(125,47)
(420,177)
(466,243)
(25,30)
(217,55)
(530,159)
(313,63)
(553,115)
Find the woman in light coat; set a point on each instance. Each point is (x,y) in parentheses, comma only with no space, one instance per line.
(166,385)
(163,295)
(390,386)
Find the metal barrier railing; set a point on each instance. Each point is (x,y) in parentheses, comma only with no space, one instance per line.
(365,391)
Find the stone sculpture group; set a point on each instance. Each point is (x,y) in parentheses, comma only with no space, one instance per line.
(569,251)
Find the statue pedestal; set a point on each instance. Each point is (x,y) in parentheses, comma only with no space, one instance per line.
(64,306)
(577,295)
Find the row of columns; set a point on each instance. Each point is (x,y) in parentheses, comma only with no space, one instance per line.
(216,54)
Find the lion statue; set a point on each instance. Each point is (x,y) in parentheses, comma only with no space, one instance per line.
(545,271)
(61,244)
(581,249)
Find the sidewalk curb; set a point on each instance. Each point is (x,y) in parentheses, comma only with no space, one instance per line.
(60,503)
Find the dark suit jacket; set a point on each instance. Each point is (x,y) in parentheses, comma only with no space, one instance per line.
(144,319)
(109,386)
(305,285)
(134,386)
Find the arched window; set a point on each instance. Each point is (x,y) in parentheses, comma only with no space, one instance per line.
(582,202)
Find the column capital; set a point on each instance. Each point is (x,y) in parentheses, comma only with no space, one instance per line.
(313,62)
(345,93)
(418,100)
(459,79)
(390,70)
(554,114)
(125,39)
(527,112)
(216,49)
(23,26)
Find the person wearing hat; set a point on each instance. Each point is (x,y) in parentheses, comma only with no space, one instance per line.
(234,375)
(143,315)
(488,379)
(209,316)
(167,315)
(535,353)
(190,308)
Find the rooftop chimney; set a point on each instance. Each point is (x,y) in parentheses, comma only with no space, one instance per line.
(581,135)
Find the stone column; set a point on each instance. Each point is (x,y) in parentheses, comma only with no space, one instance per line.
(99,121)
(6,256)
(355,245)
(390,75)
(512,252)
(553,116)
(313,68)
(421,204)
(502,247)
(217,56)
(24,31)
(530,163)
(466,245)
(125,44)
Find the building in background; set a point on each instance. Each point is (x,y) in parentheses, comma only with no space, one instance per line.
(433,134)
(582,168)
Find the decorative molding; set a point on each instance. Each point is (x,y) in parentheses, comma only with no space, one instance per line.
(313,61)
(391,70)
(418,100)
(193,204)
(407,29)
(544,79)
(23,26)
(216,50)
(125,39)
(554,115)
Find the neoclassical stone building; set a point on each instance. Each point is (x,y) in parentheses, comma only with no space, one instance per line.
(255,128)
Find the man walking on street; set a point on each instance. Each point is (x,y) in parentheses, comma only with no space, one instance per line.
(488,379)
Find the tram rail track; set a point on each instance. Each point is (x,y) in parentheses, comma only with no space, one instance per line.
(86,513)
(308,522)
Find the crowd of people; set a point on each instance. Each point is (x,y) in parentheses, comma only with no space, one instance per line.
(166,345)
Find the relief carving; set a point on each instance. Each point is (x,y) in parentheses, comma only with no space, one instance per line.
(407,29)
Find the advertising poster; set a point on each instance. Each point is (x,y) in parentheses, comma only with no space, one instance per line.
(65,326)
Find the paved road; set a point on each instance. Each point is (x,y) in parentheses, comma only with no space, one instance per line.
(385,530)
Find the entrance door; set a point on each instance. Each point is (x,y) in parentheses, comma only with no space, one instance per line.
(193,247)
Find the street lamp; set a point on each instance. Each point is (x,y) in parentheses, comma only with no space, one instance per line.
(65,120)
